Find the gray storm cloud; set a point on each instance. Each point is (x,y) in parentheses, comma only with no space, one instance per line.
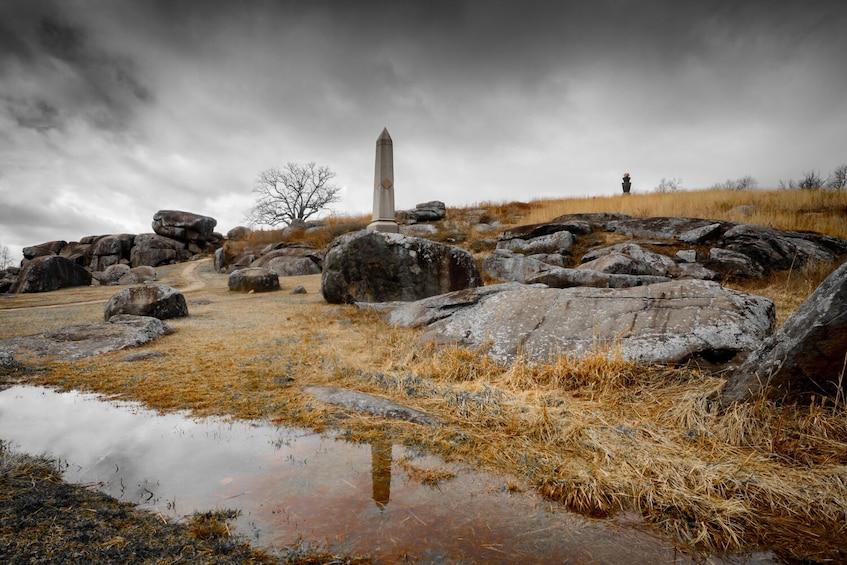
(110,110)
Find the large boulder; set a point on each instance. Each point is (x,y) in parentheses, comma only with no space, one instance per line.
(253,279)
(238,233)
(155,300)
(184,226)
(671,322)
(805,356)
(50,272)
(154,250)
(43,249)
(370,266)
(141,274)
(113,273)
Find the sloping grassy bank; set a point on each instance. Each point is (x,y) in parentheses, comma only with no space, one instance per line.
(598,435)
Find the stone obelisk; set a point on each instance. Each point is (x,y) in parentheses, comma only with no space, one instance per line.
(383,217)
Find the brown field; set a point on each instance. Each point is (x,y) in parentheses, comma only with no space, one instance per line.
(599,436)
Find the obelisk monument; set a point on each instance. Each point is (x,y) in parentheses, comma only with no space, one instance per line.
(383,217)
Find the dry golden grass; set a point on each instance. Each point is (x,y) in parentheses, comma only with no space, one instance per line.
(600,435)
(820,210)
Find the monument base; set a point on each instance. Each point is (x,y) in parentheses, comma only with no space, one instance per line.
(384,226)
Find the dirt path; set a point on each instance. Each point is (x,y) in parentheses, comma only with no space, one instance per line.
(189,280)
(193,279)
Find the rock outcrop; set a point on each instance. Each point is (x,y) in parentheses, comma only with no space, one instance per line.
(154,300)
(154,250)
(253,279)
(111,250)
(43,249)
(369,266)
(50,272)
(179,236)
(184,226)
(76,342)
(804,357)
(671,322)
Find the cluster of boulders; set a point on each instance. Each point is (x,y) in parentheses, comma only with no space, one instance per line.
(116,258)
(693,249)
(652,298)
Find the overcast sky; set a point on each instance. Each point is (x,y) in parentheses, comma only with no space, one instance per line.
(111,110)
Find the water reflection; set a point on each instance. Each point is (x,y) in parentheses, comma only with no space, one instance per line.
(381,472)
(289,483)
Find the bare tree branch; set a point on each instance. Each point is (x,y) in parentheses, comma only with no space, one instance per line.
(292,194)
(838,178)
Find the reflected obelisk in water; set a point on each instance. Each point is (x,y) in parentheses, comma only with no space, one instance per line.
(381,472)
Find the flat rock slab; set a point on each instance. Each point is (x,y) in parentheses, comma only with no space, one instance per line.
(670,322)
(370,404)
(77,342)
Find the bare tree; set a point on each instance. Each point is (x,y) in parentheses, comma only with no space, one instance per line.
(744,183)
(669,185)
(5,257)
(838,178)
(812,179)
(292,194)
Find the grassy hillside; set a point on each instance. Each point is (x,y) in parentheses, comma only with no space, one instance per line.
(600,436)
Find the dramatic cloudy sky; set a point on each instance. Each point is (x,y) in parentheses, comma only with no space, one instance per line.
(113,109)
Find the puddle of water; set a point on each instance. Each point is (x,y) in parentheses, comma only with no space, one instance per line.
(291,482)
